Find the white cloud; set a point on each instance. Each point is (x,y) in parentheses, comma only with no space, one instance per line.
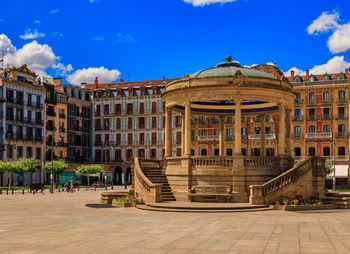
(38,57)
(335,65)
(54,11)
(37,21)
(57,34)
(31,34)
(126,38)
(6,45)
(339,41)
(97,38)
(88,75)
(207,2)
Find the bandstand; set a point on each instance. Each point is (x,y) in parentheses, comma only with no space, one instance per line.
(226,90)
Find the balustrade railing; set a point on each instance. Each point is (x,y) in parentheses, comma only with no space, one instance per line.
(174,161)
(258,162)
(212,161)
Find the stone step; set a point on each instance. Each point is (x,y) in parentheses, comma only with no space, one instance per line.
(161,209)
(336,198)
(337,194)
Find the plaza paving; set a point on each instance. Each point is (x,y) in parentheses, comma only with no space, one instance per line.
(62,223)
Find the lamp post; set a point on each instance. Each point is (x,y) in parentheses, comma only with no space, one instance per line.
(51,176)
(334,179)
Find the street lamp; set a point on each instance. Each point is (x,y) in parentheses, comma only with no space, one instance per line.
(334,179)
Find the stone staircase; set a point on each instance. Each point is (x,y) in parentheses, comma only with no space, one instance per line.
(154,173)
(342,200)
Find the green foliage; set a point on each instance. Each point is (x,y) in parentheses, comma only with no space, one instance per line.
(329,167)
(90,169)
(27,165)
(299,162)
(58,166)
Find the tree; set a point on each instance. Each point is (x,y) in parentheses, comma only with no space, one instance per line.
(27,165)
(58,167)
(329,167)
(11,168)
(89,170)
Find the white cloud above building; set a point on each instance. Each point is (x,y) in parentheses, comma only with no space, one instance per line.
(88,75)
(197,3)
(31,34)
(339,41)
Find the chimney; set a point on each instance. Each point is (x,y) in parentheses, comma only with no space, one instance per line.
(96,83)
(57,81)
(121,80)
(292,76)
(307,75)
(347,72)
(163,77)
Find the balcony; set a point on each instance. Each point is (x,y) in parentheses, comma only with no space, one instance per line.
(62,144)
(341,135)
(341,100)
(326,102)
(97,114)
(312,118)
(229,138)
(106,128)
(10,99)
(257,136)
(311,102)
(341,117)
(62,116)
(62,130)
(50,128)
(50,113)
(50,143)
(298,102)
(19,101)
(326,117)
(297,118)
(319,135)
(296,135)
(205,138)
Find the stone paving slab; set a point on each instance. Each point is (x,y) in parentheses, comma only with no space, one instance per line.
(62,223)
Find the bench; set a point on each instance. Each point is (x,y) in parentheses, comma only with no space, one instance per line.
(36,186)
(210,193)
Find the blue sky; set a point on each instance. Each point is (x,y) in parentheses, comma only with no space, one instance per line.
(149,39)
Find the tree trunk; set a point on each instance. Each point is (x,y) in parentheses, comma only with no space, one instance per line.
(10,177)
(88,181)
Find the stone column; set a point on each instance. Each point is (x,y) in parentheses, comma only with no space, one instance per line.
(182,134)
(238,127)
(187,129)
(262,135)
(281,141)
(221,135)
(288,133)
(168,132)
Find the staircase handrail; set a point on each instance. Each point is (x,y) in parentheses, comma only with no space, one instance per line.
(287,177)
(143,186)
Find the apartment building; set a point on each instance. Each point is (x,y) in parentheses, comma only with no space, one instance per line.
(22,129)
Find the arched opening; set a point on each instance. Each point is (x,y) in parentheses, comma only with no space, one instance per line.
(128,176)
(118,175)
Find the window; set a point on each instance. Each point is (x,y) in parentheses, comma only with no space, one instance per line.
(154,138)
(129,154)
(129,123)
(326,115)
(29,152)
(297,131)
(312,114)
(326,96)
(141,122)
(216,132)
(341,151)
(341,95)
(142,138)
(216,152)
(244,151)
(118,124)
(297,99)
(203,132)
(297,151)
(312,129)
(129,138)
(256,130)
(19,152)
(229,135)
(204,152)
(229,152)
(118,109)
(341,113)
(106,109)
(154,122)
(244,132)
(327,77)
(38,153)
(312,151)
(129,108)
(154,107)
(326,129)
(142,107)
(326,151)
(141,153)
(311,97)
(192,152)
(153,153)
(341,128)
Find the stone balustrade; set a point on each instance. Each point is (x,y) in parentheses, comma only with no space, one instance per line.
(212,161)
(260,162)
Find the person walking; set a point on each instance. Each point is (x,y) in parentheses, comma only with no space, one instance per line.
(72,185)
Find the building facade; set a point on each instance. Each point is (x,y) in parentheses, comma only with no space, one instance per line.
(128,122)
(23,120)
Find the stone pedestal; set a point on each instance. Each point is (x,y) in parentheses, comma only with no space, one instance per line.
(239,194)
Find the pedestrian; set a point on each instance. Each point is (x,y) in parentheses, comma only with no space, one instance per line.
(72,185)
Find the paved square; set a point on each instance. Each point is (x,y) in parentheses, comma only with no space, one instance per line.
(62,223)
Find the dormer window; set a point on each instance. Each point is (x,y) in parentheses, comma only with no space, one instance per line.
(5,74)
(326,77)
(297,79)
(341,76)
(312,78)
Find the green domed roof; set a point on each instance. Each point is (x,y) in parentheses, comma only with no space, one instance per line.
(229,69)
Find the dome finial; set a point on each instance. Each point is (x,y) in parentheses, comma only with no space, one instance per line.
(228,59)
